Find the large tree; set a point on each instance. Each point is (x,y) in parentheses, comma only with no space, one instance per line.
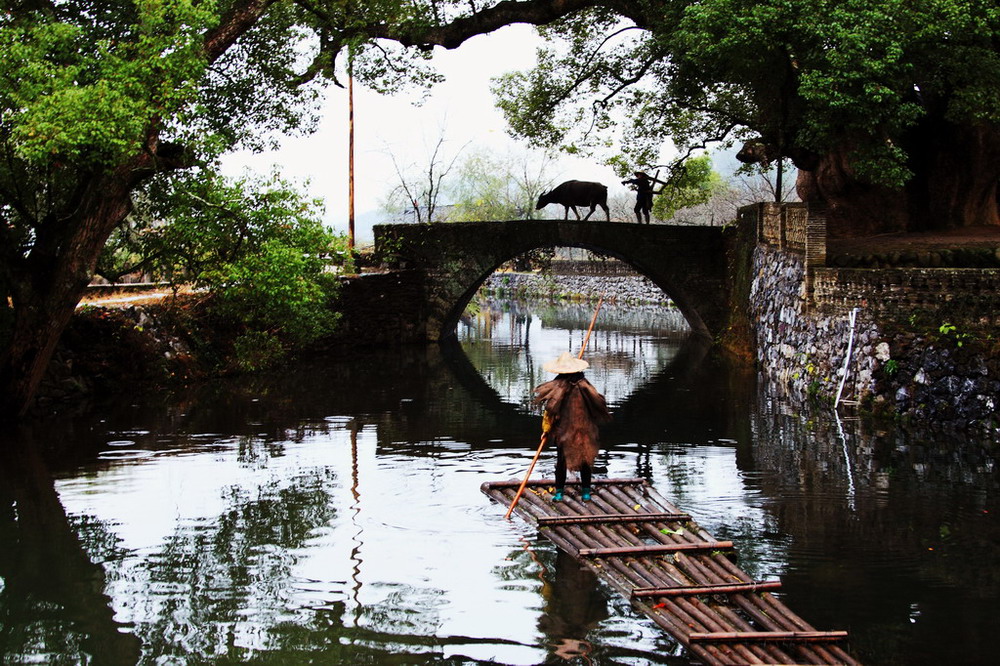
(96,98)
(99,96)
(888,109)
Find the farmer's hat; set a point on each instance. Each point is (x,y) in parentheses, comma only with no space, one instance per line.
(566,364)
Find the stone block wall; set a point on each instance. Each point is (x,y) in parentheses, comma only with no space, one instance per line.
(923,347)
(782,225)
(800,348)
(380,309)
(591,267)
(898,291)
(620,288)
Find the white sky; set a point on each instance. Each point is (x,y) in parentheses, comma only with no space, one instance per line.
(462,106)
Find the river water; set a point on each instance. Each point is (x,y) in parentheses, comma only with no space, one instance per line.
(331,513)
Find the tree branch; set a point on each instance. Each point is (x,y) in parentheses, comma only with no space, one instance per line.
(585,75)
(238,20)
(454,34)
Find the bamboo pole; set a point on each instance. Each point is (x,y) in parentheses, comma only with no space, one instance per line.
(701,590)
(545,435)
(593,319)
(613,519)
(777,636)
(495,485)
(527,475)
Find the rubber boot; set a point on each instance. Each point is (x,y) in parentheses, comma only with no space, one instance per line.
(558,497)
(585,493)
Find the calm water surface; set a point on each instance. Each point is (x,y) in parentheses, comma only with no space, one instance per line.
(332,513)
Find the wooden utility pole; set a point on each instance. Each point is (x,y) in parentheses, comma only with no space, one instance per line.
(350,158)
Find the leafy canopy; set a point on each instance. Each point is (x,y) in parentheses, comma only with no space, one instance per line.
(693,184)
(82,81)
(807,75)
(256,244)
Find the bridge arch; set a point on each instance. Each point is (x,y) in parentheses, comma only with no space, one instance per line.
(454,259)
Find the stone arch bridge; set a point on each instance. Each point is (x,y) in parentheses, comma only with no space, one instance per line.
(450,261)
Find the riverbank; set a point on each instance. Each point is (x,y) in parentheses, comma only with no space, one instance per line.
(912,342)
(121,346)
(113,345)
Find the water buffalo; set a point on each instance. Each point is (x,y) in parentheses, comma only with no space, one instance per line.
(575,193)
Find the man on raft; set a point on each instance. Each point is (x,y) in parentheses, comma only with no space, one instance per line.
(572,411)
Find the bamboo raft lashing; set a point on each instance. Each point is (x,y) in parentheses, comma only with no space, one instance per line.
(675,572)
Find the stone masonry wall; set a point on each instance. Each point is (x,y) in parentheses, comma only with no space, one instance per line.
(622,288)
(901,290)
(906,362)
(379,309)
(800,349)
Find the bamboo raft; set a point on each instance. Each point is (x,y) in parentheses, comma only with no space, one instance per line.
(675,572)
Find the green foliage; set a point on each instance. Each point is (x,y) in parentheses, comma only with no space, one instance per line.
(489,186)
(84,92)
(255,244)
(692,184)
(90,85)
(950,332)
(813,75)
(277,289)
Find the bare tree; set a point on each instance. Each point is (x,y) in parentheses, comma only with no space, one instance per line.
(621,204)
(492,186)
(421,184)
(754,184)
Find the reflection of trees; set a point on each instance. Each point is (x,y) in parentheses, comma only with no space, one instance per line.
(506,363)
(415,396)
(52,602)
(217,589)
(642,320)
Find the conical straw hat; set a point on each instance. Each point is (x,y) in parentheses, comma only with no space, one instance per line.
(566,364)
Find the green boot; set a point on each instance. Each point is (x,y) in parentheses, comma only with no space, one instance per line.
(558,497)
(585,493)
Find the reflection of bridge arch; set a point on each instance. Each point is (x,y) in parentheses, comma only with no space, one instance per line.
(687,263)
(685,382)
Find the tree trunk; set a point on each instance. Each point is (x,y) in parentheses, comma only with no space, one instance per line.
(49,283)
(44,566)
(957,173)
(954,184)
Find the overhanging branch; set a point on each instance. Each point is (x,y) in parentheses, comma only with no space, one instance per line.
(507,12)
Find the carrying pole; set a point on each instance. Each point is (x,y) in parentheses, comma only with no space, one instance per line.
(545,435)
